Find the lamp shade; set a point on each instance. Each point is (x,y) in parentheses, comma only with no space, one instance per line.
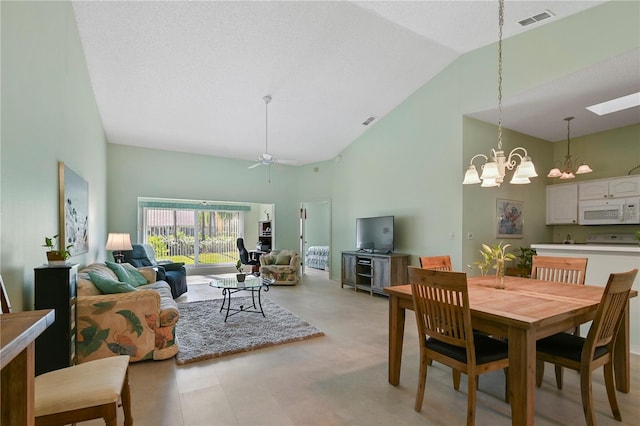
(567,175)
(490,171)
(555,172)
(519,178)
(119,242)
(471,176)
(584,168)
(527,169)
(488,183)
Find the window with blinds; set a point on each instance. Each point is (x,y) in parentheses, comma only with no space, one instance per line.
(197,234)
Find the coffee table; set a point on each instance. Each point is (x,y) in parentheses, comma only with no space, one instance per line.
(230,285)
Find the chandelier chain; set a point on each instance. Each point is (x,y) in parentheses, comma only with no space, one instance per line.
(500,24)
(569,137)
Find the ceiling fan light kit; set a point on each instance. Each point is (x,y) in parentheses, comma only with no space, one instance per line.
(565,170)
(496,165)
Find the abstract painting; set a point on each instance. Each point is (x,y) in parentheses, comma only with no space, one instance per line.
(510,218)
(74,211)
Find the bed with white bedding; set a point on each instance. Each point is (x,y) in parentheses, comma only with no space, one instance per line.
(317,257)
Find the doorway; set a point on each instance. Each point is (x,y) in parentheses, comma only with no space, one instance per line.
(315,236)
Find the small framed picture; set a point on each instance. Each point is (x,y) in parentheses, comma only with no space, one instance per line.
(510,220)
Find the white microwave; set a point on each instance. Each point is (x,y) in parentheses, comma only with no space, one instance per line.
(615,211)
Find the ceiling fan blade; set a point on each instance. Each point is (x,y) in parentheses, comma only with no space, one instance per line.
(254,165)
(289,162)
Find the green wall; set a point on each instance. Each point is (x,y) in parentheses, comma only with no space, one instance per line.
(317,224)
(49,114)
(139,172)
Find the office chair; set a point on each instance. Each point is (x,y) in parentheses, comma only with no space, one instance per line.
(244,256)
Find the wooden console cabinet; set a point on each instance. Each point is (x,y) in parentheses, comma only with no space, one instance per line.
(373,271)
(55,288)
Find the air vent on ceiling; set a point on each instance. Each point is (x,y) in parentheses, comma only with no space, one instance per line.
(368,120)
(536,18)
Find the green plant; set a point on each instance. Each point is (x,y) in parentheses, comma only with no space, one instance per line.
(52,243)
(525,257)
(638,235)
(239,266)
(494,257)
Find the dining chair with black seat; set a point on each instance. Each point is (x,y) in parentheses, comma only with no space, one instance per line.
(439,263)
(441,304)
(596,350)
(568,270)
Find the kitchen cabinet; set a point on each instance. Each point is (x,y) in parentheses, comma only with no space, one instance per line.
(628,186)
(562,204)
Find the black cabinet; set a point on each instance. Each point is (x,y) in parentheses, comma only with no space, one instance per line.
(55,288)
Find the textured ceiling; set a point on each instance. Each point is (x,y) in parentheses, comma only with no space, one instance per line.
(190,76)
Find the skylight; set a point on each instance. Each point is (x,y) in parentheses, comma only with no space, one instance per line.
(615,105)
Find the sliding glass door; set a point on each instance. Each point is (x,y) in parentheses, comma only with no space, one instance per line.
(197,234)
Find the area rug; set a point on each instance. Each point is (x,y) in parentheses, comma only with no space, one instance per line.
(203,334)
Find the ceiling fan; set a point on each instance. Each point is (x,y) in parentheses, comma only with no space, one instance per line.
(265,158)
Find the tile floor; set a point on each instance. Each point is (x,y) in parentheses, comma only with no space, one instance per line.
(340,378)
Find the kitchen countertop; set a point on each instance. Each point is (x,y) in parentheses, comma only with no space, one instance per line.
(612,248)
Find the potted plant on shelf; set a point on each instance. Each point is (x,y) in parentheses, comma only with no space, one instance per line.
(54,255)
(240,276)
(495,257)
(524,255)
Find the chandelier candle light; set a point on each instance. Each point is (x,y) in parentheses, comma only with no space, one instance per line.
(495,166)
(565,170)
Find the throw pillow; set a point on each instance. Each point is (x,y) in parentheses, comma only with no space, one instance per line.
(136,276)
(109,286)
(267,260)
(122,274)
(283,259)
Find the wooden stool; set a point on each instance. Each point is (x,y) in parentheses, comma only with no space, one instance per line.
(83,392)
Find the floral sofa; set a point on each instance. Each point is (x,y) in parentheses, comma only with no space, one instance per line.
(139,323)
(280,266)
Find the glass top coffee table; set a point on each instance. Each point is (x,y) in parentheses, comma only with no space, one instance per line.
(230,285)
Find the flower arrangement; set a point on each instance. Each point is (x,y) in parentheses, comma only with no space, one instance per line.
(494,257)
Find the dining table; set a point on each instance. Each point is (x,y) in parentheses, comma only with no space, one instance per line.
(18,332)
(522,310)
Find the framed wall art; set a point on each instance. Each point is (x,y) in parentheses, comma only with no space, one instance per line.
(73,210)
(510,221)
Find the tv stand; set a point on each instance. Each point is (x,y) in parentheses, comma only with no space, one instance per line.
(373,271)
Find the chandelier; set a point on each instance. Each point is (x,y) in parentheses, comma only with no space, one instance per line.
(496,164)
(565,170)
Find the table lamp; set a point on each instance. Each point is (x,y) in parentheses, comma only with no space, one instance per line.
(117,243)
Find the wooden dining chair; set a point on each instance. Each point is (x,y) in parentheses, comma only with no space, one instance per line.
(81,392)
(4,298)
(441,303)
(86,391)
(439,263)
(596,350)
(568,270)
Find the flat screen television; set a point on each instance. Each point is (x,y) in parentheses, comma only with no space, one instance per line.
(375,233)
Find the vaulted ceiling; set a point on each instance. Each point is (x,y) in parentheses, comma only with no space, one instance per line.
(191,76)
